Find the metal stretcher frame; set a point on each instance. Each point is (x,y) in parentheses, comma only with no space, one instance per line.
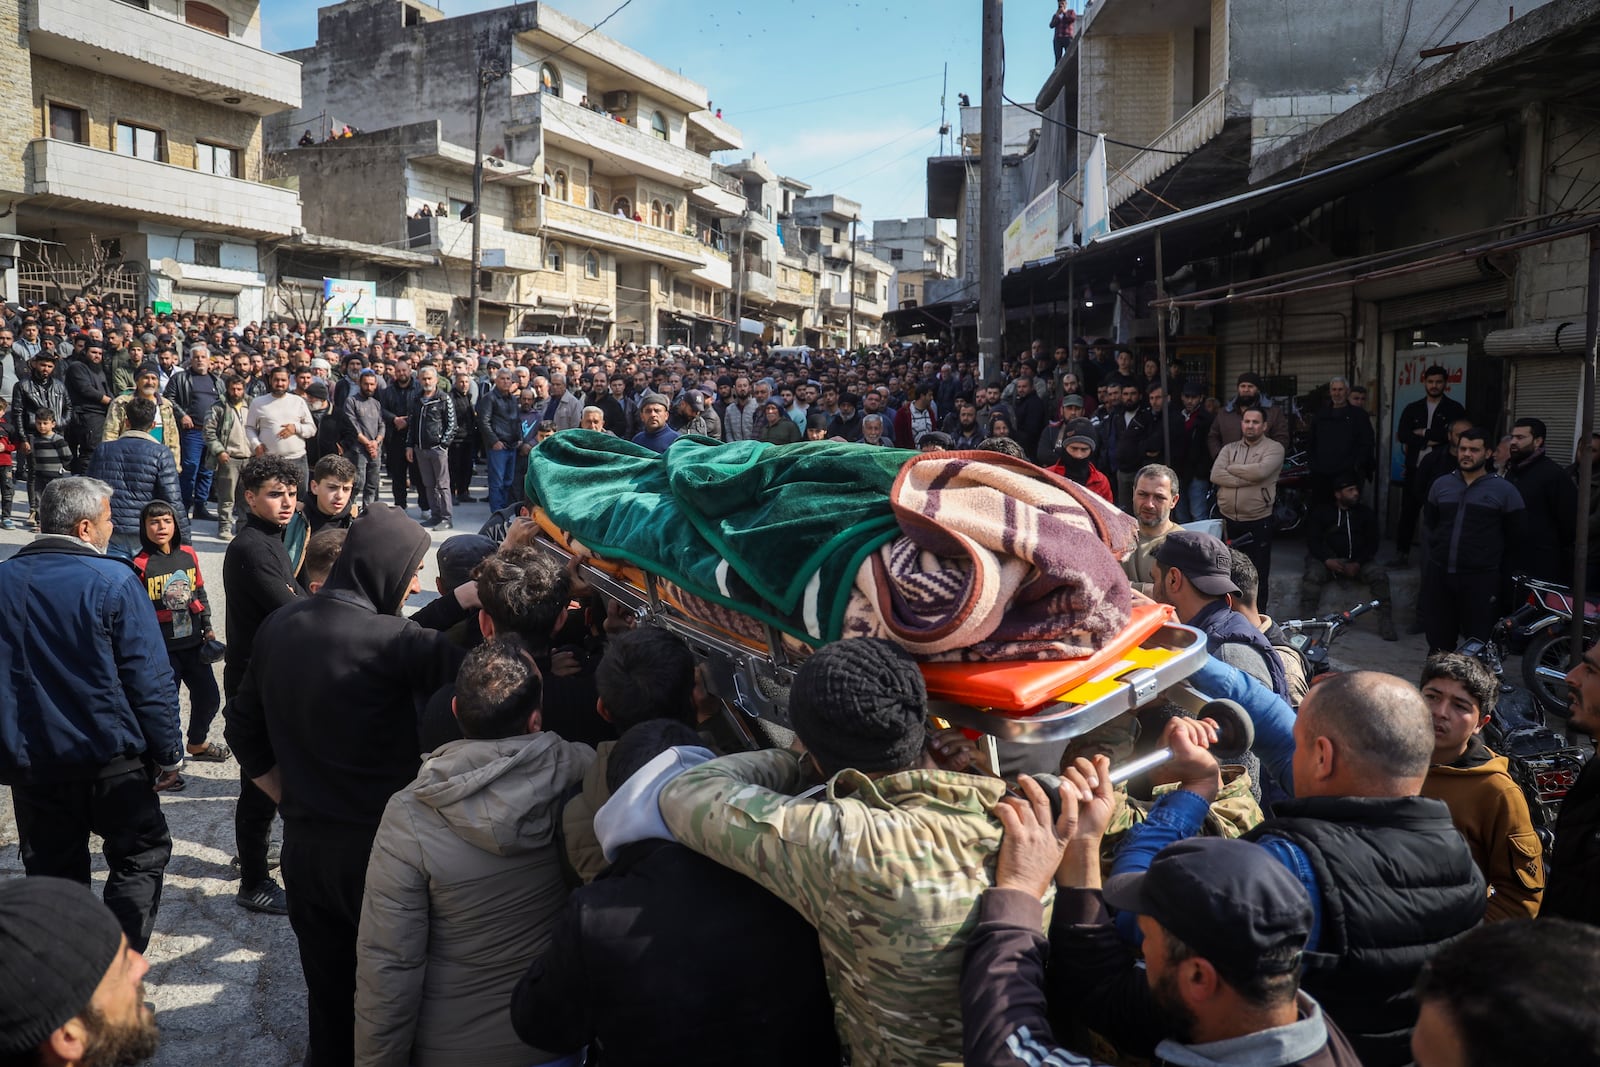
(751,679)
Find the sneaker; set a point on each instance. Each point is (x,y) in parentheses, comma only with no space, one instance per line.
(266,897)
(8,524)
(444,524)
(274,857)
(224,535)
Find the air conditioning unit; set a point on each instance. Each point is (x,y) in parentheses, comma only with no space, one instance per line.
(617,100)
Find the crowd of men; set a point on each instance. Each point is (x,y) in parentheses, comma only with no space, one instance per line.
(518,828)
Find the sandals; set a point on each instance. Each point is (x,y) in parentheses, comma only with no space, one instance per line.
(212,753)
(176,786)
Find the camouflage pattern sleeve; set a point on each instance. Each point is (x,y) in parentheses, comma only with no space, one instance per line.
(739,811)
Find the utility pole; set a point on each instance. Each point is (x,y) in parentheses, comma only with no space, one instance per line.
(485,76)
(1591,350)
(991,258)
(850,327)
(738,287)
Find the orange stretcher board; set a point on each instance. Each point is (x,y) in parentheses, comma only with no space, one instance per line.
(1023,700)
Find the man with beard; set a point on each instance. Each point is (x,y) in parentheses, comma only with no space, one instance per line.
(916,418)
(146,383)
(90,393)
(465,443)
(1246,476)
(1573,889)
(966,433)
(1475,522)
(364,429)
(1225,930)
(194,391)
(279,423)
(396,399)
(1155,494)
(621,413)
(499,422)
(73,986)
(1551,500)
(741,415)
(1228,427)
(1423,428)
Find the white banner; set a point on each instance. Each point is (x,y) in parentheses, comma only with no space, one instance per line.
(1095,218)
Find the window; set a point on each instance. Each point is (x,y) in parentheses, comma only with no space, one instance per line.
(622,207)
(410,16)
(140,141)
(909,292)
(555,258)
(560,186)
(836,235)
(896,255)
(207,253)
(655,213)
(67,123)
(591,265)
(658,126)
(216,159)
(669,217)
(461,209)
(143,5)
(205,17)
(550,79)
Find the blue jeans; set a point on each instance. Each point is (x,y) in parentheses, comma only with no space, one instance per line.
(194,482)
(1194,503)
(502,464)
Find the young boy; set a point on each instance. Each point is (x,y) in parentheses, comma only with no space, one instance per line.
(332,505)
(49,458)
(321,551)
(8,449)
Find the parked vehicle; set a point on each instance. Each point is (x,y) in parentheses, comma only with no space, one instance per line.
(1542,624)
(1314,637)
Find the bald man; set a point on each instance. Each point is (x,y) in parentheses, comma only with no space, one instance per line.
(1390,879)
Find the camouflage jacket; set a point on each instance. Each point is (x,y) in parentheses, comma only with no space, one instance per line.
(888,871)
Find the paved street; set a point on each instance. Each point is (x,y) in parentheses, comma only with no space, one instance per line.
(225,982)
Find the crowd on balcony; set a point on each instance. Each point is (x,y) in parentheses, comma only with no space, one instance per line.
(587,866)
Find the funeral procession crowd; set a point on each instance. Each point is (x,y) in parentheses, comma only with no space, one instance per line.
(518,826)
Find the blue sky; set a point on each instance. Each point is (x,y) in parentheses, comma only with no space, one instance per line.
(770,64)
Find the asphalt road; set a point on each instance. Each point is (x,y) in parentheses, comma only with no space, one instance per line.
(226,982)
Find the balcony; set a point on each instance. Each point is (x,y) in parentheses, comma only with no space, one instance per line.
(1200,124)
(757,277)
(720,135)
(67,175)
(591,133)
(635,240)
(451,238)
(837,299)
(124,41)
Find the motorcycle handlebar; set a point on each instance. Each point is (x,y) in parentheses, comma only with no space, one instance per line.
(1358,611)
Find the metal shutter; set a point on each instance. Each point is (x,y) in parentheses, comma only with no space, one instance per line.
(1547,387)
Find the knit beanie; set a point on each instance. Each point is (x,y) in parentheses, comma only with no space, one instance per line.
(56,944)
(653,398)
(860,703)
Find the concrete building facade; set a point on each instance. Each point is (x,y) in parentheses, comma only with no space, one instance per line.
(626,208)
(131,142)
(919,250)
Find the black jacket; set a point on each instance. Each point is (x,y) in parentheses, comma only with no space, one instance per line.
(396,400)
(180,390)
(335,680)
(747,981)
(1551,517)
(29,397)
(432,423)
(1573,889)
(1340,440)
(1336,533)
(1415,417)
(1196,456)
(257,579)
(1397,883)
(86,384)
(499,419)
(1473,529)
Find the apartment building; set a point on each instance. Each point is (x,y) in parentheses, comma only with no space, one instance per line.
(776,281)
(626,207)
(408,190)
(854,285)
(919,250)
(131,150)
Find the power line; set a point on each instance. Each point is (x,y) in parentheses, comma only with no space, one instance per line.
(546,58)
(835,96)
(828,170)
(1086,133)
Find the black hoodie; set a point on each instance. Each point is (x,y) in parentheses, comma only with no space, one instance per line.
(335,681)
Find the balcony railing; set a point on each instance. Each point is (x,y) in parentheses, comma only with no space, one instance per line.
(451,238)
(111,183)
(1200,124)
(565,221)
(160,51)
(590,129)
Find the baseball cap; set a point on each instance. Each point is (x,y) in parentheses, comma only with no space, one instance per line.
(1072,400)
(1193,387)
(1203,560)
(1229,900)
(459,554)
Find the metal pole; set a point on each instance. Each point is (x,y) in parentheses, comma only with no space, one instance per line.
(991,260)
(1161,357)
(477,208)
(1580,542)
(850,328)
(738,290)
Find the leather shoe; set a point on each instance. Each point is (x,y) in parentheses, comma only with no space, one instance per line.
(201,514)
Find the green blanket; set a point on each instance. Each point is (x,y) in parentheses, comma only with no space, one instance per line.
(775,532)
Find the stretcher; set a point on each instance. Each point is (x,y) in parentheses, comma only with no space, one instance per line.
(1024,701)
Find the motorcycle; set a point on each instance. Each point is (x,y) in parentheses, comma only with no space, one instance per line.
(1544,622)
(1314,637)
(1293,501)
(1541,760)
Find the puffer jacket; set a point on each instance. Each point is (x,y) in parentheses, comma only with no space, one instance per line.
(1490,811)
(140,469)
(463,888)
(577,818)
